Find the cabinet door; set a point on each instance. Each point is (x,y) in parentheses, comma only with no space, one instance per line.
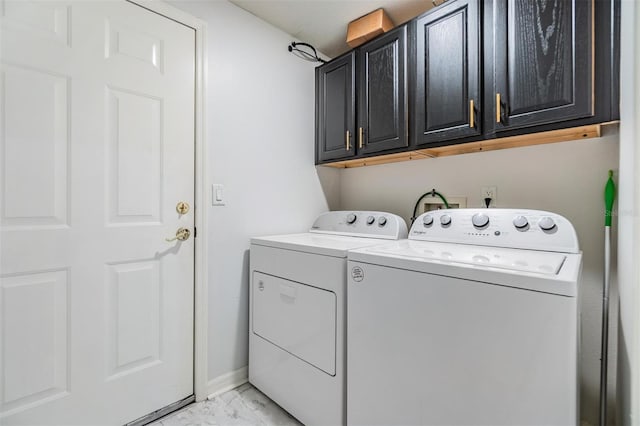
(543,62)
(335,109)
(382,100)
(446,103)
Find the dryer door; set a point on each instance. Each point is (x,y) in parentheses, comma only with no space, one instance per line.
(298,318)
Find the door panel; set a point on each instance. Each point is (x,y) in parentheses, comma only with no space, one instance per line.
(35,157)
(134,137)
(36,301)
(382,86)
(383,100)
(542,62)
(45,20)
(540,52)
(451,83)
(335,108)
(447,74)
(134,318)
(97,149)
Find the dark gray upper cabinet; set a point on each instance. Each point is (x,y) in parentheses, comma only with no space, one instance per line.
(382,98)
(542,62)
(471,70)
(447,100)
(335,109)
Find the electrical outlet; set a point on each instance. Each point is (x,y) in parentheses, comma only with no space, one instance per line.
(489,192)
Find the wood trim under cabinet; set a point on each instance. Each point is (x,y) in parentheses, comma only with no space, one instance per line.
(553,136)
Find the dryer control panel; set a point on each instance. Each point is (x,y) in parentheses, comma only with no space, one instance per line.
(515,228)
(361,224)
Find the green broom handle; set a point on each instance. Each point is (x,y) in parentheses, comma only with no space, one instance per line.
(609,197)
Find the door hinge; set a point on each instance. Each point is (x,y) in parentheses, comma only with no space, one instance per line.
(195,232)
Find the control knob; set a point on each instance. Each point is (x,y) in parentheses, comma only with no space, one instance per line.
(351,218)
(480,220)
(546,223)
(370,220)
(382,221)
(445,220)
(427,220)
(520,222)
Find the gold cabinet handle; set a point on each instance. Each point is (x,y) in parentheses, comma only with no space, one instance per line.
(348,138)
(498,108)
(472,114)
(360,137)
(182,234)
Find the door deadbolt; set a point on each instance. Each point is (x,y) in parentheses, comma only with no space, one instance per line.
(182,207)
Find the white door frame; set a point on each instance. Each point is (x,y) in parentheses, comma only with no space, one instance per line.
(200,362)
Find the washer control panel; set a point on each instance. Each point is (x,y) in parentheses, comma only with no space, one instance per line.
(524,229)
(361,224)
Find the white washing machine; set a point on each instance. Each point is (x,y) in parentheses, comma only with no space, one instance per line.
(473,320)
(297,311)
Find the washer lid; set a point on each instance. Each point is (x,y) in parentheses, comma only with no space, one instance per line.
(515,260)
(548,272)
(323,244)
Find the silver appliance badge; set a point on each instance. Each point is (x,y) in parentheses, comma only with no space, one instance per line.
(357,274)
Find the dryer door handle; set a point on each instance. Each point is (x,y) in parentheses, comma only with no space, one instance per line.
(287,291)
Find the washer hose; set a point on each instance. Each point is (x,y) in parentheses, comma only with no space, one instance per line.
(432,193)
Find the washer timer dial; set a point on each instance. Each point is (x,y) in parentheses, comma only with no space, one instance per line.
(520,222)
(546,223)
(480,220)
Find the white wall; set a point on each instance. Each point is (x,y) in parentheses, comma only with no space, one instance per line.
(567,178)
(629,216)
(260,132)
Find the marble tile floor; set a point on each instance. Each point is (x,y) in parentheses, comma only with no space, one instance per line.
(242,406)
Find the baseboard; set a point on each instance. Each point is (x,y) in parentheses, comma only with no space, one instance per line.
(226,382)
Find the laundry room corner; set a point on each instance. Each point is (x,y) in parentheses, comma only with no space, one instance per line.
(330,180)
(260,158)
(629,218)
(566,178)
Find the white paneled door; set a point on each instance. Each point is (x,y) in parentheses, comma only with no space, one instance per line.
(97,150)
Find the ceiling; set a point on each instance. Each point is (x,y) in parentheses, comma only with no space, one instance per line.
(323,23)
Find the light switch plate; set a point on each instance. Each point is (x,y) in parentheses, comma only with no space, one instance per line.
(217,194)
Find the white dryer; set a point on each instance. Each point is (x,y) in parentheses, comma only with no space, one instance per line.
(473,320)
(297,311)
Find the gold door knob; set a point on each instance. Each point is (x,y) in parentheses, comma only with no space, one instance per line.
(182,234)
(182,207)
